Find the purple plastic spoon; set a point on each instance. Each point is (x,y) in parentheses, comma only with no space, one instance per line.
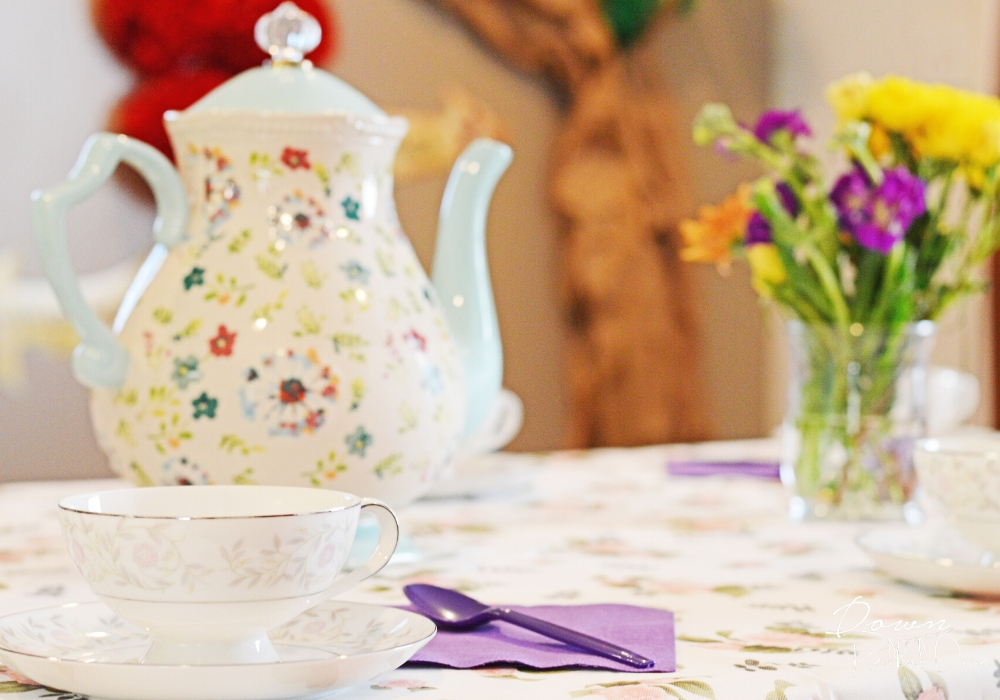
(453,610)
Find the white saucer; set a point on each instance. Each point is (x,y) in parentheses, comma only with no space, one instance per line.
(935,556)
(495,475)
(87,649)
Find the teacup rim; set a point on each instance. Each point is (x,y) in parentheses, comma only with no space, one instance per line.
(63,503)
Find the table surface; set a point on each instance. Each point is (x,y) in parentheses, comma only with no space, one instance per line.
(754,595)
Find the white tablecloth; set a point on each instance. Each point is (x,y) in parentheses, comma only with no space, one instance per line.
(755,596)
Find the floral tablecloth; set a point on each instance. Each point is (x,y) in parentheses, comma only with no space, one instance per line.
(758,600)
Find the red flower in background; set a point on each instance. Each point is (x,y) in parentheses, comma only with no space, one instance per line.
(182,49)
(157,36)
(295,159)
(140,113)
(222,344)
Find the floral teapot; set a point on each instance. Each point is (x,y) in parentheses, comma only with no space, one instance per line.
(282,330)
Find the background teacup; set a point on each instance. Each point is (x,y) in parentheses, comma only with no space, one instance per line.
(207,570)
(962,472)
(952,398)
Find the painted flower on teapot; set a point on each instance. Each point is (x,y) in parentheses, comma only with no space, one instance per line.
(283,331)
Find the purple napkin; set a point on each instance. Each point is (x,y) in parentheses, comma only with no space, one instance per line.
(764,470)
(645,631)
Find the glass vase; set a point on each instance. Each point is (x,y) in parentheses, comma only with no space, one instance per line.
(857,403)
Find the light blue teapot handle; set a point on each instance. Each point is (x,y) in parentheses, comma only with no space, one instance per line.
(100,360)
(461,274)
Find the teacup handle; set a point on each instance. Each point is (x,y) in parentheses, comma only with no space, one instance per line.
(100,360)
(505,421)
(388,537)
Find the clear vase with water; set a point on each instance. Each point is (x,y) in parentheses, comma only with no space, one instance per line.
(857,403)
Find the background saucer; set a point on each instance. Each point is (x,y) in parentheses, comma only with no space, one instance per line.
(934,555)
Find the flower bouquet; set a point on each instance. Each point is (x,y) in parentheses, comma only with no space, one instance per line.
(861,265)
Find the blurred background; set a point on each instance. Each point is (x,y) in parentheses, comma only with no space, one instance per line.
(60,81)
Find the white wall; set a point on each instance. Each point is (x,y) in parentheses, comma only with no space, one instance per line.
(948,41)
(57,82)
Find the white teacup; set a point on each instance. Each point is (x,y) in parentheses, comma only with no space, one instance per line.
(963,474)
(952,398)
(207,570)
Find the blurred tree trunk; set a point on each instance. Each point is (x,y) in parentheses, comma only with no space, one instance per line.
(619,190)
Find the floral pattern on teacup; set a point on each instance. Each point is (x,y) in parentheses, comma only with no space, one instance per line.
(147,558)
(967,484)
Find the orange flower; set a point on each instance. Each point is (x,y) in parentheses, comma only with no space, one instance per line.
(879,143)
(710,237)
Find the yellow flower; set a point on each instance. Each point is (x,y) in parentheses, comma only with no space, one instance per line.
(901,105)
(710,237)
(938,121)
(975,176)
(766,267)
(849,96)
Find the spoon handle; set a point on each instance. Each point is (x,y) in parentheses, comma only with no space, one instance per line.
(577,639)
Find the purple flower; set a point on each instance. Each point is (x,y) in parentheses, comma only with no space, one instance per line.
(758,228)
(878,217)
(850,195)
(788,199)
(776,119)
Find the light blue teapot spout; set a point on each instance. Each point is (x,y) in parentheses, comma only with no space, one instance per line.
(462,277)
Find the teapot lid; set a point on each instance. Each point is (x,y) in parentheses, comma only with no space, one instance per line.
(288,82)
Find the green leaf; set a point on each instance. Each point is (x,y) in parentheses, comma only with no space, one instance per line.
(795,629)
(629,18)
(762,649)
(141,477)
(695,688)
(270,268)
(390,466)
(909,683)
(347,340)
(245,477)
(713,121)
(312,275)
(190,329)
(734,591)
(779,691)
(310,324)
(163,315)
(240,241)
(696,640)
(854,138)
(16,687)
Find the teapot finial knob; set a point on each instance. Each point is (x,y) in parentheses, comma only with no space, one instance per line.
(287,34)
